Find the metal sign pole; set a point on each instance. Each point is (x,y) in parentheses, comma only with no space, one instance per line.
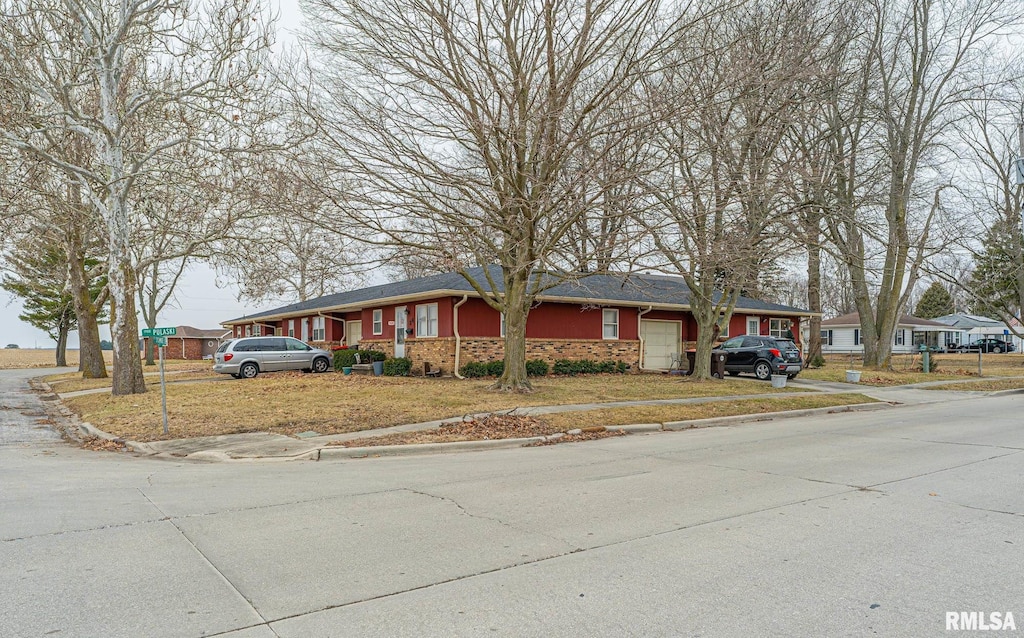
(163,389)
(979,361)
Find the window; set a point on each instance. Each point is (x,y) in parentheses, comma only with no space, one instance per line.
(753,326)
(501,327)
(779,328)
(248,331)
(610,324)
(291,328)
(294,345)
(732,344)
(899,338)
(426,320)
(319,333)
(826,337)
(378,322)
(723,326)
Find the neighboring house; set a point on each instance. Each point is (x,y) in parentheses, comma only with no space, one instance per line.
(639,319)
(979,327)
(191,343)
(843,334)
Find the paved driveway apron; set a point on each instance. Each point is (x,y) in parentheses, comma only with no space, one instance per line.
(23,423)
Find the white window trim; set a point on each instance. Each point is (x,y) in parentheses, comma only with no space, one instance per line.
(378,321)
(757,326)
(725,329)
(425,334)
(501,326)
(781,332)
(319,329)
(605,323)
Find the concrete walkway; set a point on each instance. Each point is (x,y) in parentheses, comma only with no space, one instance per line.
(269,446)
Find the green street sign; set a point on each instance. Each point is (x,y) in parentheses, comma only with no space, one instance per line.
(159,341)
(159,332)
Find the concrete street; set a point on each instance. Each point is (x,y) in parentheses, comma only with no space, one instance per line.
(873,523)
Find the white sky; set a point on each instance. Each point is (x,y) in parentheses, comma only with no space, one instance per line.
(200,303)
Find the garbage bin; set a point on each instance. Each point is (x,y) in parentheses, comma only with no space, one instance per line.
(718,365)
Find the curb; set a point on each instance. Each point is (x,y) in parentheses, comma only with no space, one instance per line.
(771,416)
(1004,393)
(337,451)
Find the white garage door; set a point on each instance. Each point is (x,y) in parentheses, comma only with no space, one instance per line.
(661,340)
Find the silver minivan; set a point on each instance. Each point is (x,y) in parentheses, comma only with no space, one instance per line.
(248,356)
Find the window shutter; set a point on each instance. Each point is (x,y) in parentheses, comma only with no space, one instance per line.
(856,336)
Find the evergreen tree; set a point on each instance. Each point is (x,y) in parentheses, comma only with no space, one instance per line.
(994,283)
(935,302)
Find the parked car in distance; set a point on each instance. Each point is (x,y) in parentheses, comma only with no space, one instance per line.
(12,346)
(249,356)
(763,356)
(987,345)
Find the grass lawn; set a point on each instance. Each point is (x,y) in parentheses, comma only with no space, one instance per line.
(906,368)
(292,402)
(991,385)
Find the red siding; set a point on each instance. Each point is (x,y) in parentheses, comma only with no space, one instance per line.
(477,319)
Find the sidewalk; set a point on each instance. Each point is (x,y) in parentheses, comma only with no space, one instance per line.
(269,446)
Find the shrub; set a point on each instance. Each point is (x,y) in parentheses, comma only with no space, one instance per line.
(817,362)
(495,368)
(474,370)
(562,366)
(344,358)
(397,367)
(536,368)
(606,367)
(621,366)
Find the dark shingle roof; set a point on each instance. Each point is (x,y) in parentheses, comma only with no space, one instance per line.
(853,319)
(627,289)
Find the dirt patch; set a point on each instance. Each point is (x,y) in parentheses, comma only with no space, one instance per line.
(97,444)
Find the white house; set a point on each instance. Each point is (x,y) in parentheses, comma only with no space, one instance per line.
(978,327)
(842,334)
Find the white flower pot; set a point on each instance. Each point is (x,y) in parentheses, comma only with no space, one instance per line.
(779,380)
(853,376)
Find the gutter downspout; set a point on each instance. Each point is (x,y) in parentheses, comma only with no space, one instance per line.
(458,338)
(640,335)
(341,321)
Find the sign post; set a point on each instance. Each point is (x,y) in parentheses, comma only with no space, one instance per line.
(159,337)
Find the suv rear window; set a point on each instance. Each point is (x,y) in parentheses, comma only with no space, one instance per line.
(786,344)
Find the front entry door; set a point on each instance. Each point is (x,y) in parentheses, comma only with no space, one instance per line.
(400,316)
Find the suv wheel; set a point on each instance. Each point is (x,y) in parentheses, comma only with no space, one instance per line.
(997,350)
(320,365)
(248,371)
(762,370)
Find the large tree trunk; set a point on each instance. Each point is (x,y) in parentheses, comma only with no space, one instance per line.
(814,300)
(62,339)
(90,355)
(517,309)
(124,330)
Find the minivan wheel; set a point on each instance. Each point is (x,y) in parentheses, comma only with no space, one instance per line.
(320,365)
(248,371)
(763,371)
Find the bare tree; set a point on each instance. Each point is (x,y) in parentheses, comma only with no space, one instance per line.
(140,65)
(723,110)
(913,65)
(471,120)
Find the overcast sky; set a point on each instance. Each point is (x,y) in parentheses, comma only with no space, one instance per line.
(200,303)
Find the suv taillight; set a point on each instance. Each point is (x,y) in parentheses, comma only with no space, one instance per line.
(775,353)
(228,356)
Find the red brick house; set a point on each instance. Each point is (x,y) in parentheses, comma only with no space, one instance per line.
(191,343)
(441,319)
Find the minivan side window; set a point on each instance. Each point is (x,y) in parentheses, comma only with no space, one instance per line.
(247,345)
(272,345)
(295,344)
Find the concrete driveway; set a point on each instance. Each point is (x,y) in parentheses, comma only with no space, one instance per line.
(843,525)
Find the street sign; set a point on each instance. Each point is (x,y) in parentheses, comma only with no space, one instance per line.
(159,332)
(159,341)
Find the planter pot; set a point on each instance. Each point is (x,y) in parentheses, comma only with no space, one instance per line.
(779,380)
(853,376)
(347,369)
(378,368)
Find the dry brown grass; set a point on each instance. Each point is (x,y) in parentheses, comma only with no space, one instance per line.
(292,402)
(906,368)
(665,413)
(21,358)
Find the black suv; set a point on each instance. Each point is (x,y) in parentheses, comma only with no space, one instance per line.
(764,356)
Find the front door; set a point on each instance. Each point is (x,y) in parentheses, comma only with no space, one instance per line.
(353,333)
(305,329)
(400,317)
